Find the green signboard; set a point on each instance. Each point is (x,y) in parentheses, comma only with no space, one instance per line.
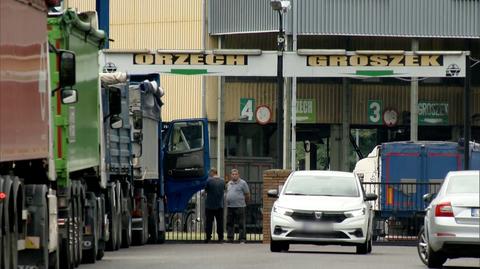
(247,109)
(431,113)
(375,110)
(306,111)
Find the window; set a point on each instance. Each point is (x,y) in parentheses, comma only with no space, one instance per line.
(186,136)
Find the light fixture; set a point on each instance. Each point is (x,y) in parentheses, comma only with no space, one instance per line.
(237,52)
(440,52)
(280,5)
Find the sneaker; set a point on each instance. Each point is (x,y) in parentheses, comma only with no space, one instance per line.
(221,241)
(242,241)
(206,241)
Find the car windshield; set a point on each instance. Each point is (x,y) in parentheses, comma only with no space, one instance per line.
(322,186)
(463,184)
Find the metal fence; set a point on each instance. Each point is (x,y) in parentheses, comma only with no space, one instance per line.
(399,209)
(399,212)
(190,224)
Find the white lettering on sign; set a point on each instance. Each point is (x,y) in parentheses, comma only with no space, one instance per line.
(433,109)
(305,107)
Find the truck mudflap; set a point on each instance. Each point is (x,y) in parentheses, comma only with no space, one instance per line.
(36,253)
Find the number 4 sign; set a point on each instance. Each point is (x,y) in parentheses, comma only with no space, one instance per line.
(247,109)
(375,111)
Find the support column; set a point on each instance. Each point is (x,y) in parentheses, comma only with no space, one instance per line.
(221,122)
(335,147)
(414,101)
(346,112)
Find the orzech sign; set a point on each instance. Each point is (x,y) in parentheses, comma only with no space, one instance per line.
(376,64)
(235,63)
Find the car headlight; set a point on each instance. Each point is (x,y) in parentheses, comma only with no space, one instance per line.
(282,210)
(355,213)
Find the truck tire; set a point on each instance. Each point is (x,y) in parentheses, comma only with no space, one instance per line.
(127,230)
(102,228)
(66,244)
(91,215)
(119,216)
(16,204)
(111,211)
(76,232)
(5,222)
(153,219)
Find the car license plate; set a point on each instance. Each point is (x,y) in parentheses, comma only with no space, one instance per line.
(317,227)
(475,212)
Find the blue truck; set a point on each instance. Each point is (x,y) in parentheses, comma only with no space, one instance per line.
(400,173)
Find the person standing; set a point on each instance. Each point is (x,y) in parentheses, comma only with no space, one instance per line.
(238,195)
(215,191)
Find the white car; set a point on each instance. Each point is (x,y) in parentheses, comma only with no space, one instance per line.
(452,220)
(322,208)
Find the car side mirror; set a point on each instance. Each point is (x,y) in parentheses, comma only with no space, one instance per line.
(272,193)
(427,198)
(371,197)
(116,122)
(69,96)
(67,69)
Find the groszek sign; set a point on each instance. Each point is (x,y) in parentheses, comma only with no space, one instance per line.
(364,64)
(431,113)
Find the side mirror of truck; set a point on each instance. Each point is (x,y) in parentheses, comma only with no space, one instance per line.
(116,122)
(114,101)
(371,197)
(427,198)
(67,69)
(69,96)
(273,193)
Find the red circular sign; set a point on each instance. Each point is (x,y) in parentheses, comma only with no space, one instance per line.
(263,114)
(390,117)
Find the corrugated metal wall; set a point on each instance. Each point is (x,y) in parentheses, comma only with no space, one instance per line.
(234,16)
(329,99)
(418,18)
(165,24)
(422,18)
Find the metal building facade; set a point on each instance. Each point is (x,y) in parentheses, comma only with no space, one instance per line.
(406,18)
(165,24)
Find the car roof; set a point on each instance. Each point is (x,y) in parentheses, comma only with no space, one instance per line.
(323,173)
(463,173)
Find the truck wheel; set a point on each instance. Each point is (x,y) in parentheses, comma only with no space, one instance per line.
(91,214)
(5,244)
(66,244)
(127,231)
(14,224)
(153,219)
(119,216)
(101,227)
(76,232)
(112,209)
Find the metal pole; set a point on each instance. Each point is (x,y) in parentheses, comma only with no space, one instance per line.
(280,48)
(103,11)
(221,121)
(466,113)
(414,101)
(294,93)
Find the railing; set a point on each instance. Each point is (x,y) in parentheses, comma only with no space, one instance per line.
(399,212)
(190,224)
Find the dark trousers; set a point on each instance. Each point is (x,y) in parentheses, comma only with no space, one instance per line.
(236,215)
(218,215)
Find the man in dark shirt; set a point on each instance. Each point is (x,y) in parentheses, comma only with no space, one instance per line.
(215,190)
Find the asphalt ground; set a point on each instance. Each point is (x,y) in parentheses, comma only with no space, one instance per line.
(192,256)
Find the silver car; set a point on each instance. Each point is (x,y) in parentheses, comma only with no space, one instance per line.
(452,222)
